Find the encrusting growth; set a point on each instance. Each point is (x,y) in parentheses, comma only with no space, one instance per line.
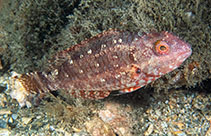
(111,61)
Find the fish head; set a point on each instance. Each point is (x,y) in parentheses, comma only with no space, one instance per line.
(164,52)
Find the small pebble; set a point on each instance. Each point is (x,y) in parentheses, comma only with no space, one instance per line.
(3,124)
(179,133)
(26,120)
(14,116)
(52,128)
(4,132)
(10,120)
(39,117)
(149,130)
(158,112)
(5,111)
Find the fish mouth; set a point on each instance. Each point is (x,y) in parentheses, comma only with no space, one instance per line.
(187,51)
(183,56)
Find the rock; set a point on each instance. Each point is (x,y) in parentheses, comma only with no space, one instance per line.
(96,127)
(14,116)
(26,120)
(117,117)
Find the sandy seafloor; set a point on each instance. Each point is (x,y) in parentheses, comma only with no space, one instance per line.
(165,107)
(180,113)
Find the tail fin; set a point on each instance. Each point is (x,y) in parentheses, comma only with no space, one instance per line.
(25,88)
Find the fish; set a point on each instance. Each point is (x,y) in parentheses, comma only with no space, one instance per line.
(110,61)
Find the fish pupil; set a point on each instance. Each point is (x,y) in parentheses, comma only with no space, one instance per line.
(162,48)
(138,71)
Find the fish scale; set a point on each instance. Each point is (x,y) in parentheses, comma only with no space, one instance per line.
(113,60)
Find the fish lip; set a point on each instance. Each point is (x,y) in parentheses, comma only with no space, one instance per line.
(189,52)
(185,55)
(189,48)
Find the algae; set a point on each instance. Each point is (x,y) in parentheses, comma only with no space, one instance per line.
(36,30)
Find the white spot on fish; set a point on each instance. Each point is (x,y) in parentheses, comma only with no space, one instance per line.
(160,73)
(55,72)
(117,76)
(97,64)
(141,82)
(115,57)
(118,45)
(103,46)
(155,72)
(179,58)
(156,78)
(120,40)
(149,81)
(122,73)
(116,65)
(131,84)
(89,51)
(102,80)
(43,73)
(66,75)
(81,56)
(97,55)
(150,78)
(71,61)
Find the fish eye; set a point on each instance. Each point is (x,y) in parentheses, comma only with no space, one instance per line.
(161,47)
(138,71)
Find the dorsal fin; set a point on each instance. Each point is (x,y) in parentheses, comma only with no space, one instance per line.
(64,55)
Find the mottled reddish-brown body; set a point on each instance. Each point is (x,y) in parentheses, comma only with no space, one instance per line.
(110,61)
(115,60)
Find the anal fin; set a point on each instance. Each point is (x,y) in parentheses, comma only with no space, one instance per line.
(130,89)
(93,95)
